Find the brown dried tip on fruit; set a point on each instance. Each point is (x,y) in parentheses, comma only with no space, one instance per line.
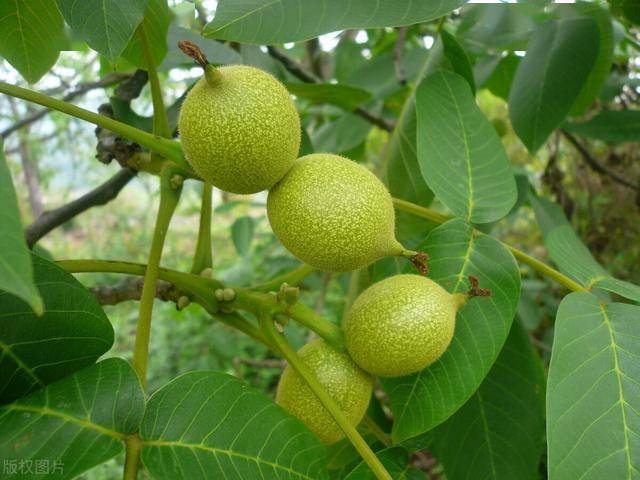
(421,261)
(192,50)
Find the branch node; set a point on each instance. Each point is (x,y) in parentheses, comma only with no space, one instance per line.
(176,181)
(183,302)
(228,294)
(287,294)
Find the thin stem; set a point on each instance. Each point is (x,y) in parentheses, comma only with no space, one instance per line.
(294,277)
(377,431)
(545,269)
(257,302)
(266,323)
(537,265)
(420,211)
(164,146)
(202,258)
(169,196)
(237,321)
(133,445)
(200,288)
(160,120)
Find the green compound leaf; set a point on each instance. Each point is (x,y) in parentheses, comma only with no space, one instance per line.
(499,83)
(613,126)
(424,400)
(501,428)
(157,18)
(35,351)
(343,96)
(571,255)
(602,64)
(560,57)
(342,134)
(31,36)
(401,158)
(497,26)
(16,272)
(593,405)
(279,21)
(460,154)
(106,26)
(242,234)
(206,425)
(73,424)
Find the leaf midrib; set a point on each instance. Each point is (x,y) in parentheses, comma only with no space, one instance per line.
(67,418)
(618,373)
(7,349)
(230,453)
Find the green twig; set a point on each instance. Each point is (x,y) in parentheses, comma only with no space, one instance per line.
(133,445)
(202,258)
(202,289)
(160,119)
(237,321)
(537,265)
(266,324)
(257,302)
(169,196)
(294,277)
(163,146)
(377,431)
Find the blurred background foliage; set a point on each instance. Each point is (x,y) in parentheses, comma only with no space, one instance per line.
(53,162)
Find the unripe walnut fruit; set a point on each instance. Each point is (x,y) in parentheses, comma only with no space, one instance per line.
(333,214)
(343,380)
(239,129)
(401,325)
